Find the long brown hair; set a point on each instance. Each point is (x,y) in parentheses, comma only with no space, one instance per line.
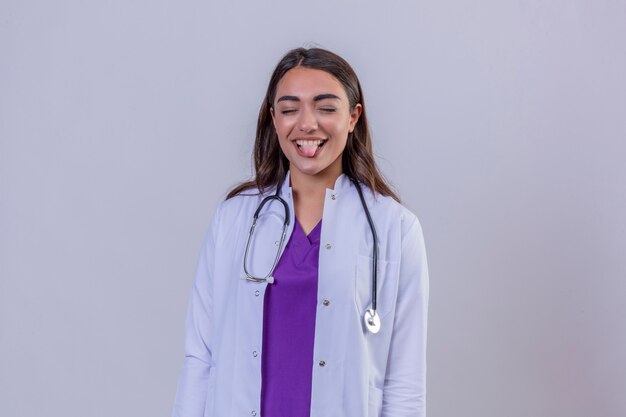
(271,165)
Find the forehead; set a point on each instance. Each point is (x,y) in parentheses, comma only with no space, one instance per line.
(305,83)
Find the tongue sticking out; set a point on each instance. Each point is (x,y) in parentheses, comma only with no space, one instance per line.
(308,150)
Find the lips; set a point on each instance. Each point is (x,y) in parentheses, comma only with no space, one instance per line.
(308,148)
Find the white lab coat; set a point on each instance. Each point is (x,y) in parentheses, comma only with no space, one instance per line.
(355,373)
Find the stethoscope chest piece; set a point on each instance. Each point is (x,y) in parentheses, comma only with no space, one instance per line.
(372,321)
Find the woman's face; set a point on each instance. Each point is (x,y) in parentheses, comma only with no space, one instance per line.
(312,118)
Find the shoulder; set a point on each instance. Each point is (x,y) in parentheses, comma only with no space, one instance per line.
(236,205)
(230,219)
(388,207)
(235,214)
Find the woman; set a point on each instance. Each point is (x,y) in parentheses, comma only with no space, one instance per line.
(289,324)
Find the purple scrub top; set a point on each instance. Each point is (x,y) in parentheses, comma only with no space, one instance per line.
(289,328)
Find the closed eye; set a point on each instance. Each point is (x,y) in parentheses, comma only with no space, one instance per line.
(328,109)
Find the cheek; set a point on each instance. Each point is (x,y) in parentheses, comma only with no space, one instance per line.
(283,128)
(339,129)
(283,133)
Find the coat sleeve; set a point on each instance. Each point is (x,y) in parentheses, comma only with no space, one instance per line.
(191,393)
(405,378)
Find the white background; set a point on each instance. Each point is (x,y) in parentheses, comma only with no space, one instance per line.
(501,123)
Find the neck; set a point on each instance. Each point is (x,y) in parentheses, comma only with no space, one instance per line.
(309,192)
(314,185)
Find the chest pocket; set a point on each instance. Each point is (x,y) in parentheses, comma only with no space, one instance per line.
(386,285)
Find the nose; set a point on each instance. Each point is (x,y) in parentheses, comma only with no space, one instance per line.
(307,122)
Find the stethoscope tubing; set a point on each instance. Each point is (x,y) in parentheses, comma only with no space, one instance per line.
(375,243)
(267,199)
(372,320)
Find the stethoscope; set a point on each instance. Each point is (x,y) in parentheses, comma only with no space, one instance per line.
(371,319)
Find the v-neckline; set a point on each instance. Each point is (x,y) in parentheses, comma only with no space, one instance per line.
(313,235)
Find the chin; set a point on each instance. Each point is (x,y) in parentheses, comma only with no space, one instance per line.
(308,170)
(313,168)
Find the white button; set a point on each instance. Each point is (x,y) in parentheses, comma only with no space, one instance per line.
(333,197)
(326,302)
(322,363)
(328,246)
(257,292)
(253,412)
(255,353)
(277,242)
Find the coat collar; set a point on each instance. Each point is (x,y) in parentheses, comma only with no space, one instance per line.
(341,183)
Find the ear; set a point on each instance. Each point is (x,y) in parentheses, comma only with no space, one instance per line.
(354,116)
(273,118)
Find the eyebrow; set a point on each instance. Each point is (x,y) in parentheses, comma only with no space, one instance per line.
(316,98)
